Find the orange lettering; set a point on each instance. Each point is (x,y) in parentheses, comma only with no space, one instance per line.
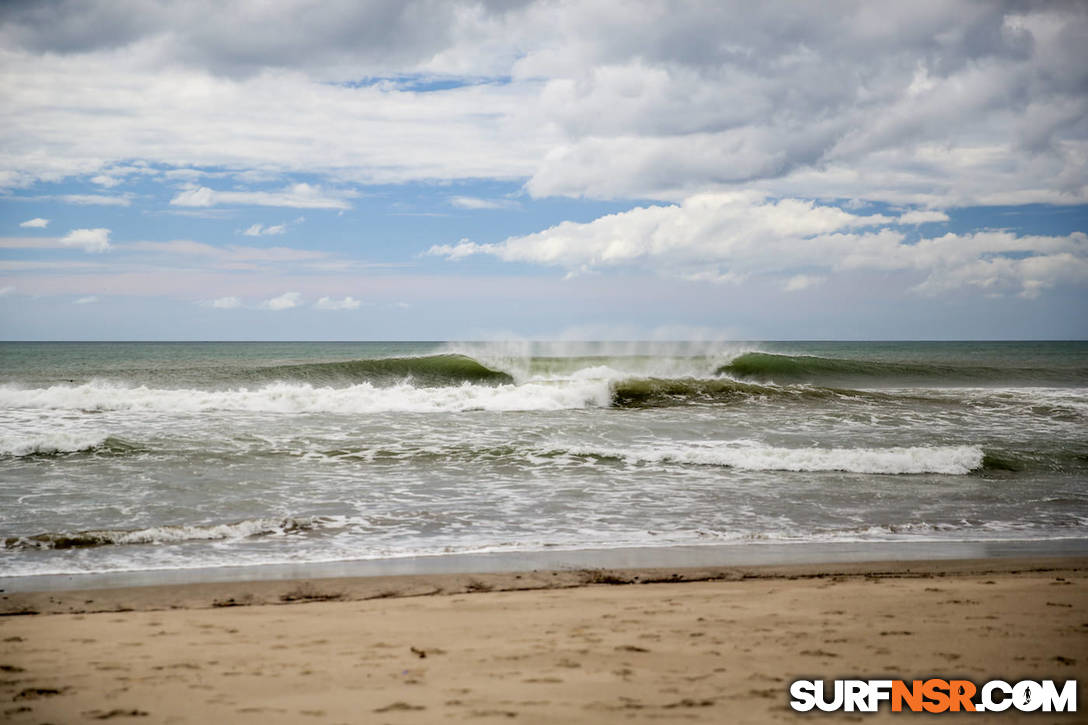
(936,691)
(961,692)
(912,695)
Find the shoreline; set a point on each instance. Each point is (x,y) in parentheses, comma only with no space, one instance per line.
(276,591)
(706,645)
(630,558)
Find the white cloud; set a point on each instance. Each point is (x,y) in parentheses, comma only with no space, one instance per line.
(228,254)
(96,199)
(258,230)
(922,216)
(91,240)
(959,104)
(803,281)
(705,228)
(284,302)
(30,242)
(107,181)
(5,291)
(472,202)
(226,303)
(186,175)
(731,237)
(90,300)
(23,266)
(37,223)
(328,303)
(302,196)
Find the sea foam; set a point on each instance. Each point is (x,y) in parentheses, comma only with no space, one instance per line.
(751,455)
(166,534)
(305,398)
(51,443)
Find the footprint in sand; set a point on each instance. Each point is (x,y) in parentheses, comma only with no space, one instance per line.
(35,693)
(399,707)
(110,714)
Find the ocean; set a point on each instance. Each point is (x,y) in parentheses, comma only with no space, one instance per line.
(125,457)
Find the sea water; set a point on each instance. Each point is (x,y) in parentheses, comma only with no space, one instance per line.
(166,456)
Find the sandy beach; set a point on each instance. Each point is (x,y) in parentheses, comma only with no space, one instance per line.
(689,645)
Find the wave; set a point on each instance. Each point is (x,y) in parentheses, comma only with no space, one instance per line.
(662,392)
(597,388)
(557,359)
(425,371)
(306,398)
(753,456)
(960,530)
(61,443)
(769,367)
(456,382)
(167,534)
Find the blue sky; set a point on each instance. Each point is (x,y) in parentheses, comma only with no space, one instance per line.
(424,170)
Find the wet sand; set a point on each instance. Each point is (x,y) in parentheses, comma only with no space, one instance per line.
(686,645)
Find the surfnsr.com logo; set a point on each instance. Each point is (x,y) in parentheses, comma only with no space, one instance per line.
(933,695)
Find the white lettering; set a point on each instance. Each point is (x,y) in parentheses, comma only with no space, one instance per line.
(1064,701)
(836,702)
(856,696)
(803,693)
(997,705)
(879,690)
(1027,696)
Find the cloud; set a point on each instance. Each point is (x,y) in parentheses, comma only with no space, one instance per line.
(257,230)
(226,303)
(284,302)
(731,237)
(90,300)
(96,199)
(302,196)
(803,281)
(705,228)
(367,36)
(231,253)
(91,240)
(922,217)
(53,266)
(31,243)
(327,303)
(471,202)
(37,223)
(5,291)
(925,104)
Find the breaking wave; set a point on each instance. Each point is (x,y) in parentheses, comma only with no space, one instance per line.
(61,443)
(660,392)
(306,398)
(599,388)
(751,455)
(455,382)
(425,371)
(166,534)
(768,367)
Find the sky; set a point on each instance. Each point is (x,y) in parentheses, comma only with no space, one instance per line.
(435,170)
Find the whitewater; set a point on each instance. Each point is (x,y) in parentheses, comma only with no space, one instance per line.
(169,456)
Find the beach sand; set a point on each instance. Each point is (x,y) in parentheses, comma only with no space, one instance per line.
(539,647)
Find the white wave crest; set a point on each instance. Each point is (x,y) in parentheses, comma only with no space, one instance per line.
(579,360)
(168,534)
(753,456)
(305,398)
(50,443)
